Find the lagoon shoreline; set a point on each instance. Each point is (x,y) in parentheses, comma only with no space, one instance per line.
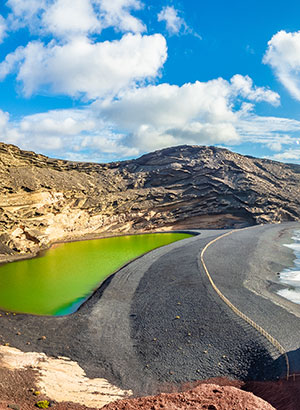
(108,337)
(7,258)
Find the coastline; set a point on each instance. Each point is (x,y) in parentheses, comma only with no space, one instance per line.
(112,335)
(271,250)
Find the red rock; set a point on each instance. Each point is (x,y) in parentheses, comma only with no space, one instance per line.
(204,396)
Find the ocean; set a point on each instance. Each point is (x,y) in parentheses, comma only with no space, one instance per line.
(291,276)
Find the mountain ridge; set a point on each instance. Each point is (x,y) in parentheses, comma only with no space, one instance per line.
(45,200)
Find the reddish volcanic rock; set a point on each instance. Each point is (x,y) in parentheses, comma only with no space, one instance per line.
(204,396)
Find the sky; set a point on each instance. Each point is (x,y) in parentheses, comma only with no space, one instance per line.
(107,80)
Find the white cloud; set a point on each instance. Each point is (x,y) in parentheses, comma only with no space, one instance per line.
(82,67)
(117,14)
(199,113)
(10,63)
(291,155)
(274,146)
(170,105)
(61,123)
(8,131)
(174,23)
(149,118)
(73,62)
(244,87)
(128,116)
(3,28)
(26,13)
(64,18)
(264,129)
(283,55)
(74,134)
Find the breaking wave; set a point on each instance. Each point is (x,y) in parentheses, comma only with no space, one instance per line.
(291,276)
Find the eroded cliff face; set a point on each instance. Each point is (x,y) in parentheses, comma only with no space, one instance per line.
(44,200)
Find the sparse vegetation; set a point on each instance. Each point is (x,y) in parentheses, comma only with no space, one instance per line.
(43,404)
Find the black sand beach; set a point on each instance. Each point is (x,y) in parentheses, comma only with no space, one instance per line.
(158,321)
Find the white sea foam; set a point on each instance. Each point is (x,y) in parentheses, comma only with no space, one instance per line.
(294,246)
(292,295)
(291,276)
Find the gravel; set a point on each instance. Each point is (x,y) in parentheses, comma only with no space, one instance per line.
(158,321)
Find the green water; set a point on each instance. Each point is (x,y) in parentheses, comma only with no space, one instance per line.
(58,282)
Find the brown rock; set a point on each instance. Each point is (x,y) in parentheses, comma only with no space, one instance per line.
(204,396)
(43,200)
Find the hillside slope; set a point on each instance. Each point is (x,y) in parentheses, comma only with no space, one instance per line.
(43,200)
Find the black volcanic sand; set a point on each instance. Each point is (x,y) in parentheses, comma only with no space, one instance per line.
(263,255)
(158,321)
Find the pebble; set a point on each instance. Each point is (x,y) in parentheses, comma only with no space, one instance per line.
(13,406)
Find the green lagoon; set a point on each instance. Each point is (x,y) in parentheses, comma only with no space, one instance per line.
(58,282)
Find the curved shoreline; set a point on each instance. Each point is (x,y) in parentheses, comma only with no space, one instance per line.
(112,334)
(129,251)
(262,255)
(87,237)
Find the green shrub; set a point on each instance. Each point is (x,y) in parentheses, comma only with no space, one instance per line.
(43,404)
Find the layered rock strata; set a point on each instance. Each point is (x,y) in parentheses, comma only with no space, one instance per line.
(43,200)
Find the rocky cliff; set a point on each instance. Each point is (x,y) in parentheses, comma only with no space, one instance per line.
(44,200)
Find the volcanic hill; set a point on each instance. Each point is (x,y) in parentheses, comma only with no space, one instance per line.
(43,200)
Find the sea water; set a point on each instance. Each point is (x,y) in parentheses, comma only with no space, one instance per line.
(291,276)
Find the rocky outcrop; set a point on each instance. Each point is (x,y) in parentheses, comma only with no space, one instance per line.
(43,200)
(205,396)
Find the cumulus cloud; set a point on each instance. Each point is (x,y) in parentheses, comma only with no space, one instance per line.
(243,85)
(82,67)
(283,55)
(64,18)
(26,13)
(73,62)
(129,114)
(58,123)
(8,131)
(117,14)
(174,23)
(74,134)
(200,113)
(149,118)
(170,105)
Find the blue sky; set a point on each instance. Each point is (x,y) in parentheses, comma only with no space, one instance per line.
(103,80)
